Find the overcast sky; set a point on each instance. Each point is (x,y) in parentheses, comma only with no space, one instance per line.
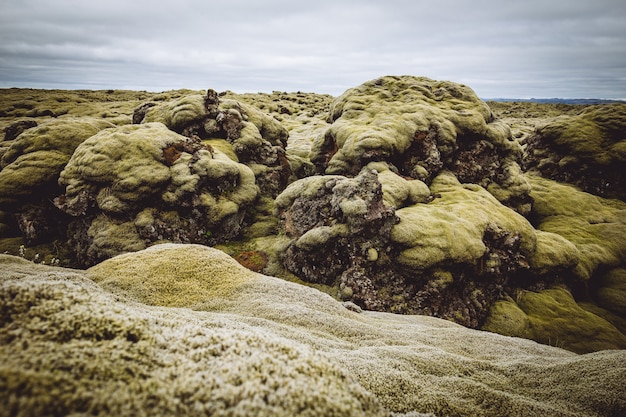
(500,48)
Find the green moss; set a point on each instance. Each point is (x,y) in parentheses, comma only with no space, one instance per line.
(32,164)
(619,321)
(596,226)
(223,146)
(506,318)
(126,164)
(557,320)
(554,253)
(173,275)
(595,136)
(378,121)
(179,113)
(611,292)
(450,229)
(398,191)
(111,237)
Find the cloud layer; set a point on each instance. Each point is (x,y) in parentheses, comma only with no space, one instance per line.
(574,48)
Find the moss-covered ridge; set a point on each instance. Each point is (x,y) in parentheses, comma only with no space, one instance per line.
(263,347)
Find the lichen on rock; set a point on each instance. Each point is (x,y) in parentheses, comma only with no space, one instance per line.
(160,185)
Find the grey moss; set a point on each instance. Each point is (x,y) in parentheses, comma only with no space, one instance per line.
(249,344)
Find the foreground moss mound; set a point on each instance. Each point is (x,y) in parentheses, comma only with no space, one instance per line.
(266,347)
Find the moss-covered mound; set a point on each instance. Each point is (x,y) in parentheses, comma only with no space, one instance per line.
(553,317)
(251,136)
(137,184)
(422,127)
(594,225)
(30,169)
(262,347)
(587,150)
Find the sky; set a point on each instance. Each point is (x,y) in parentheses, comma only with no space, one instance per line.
(499,48)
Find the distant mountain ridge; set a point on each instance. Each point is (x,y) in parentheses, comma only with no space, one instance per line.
(586,101)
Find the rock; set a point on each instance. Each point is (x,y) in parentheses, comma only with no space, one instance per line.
(134,185)
(30,170)
(422,127)
(15,129)
(587,150)
(248,344)
(334,222)
(449,257)
(257,139)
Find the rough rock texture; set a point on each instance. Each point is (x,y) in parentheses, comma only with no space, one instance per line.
(339,226)
(254,138)
(138,184)
(422,127)
(388,245)
(447,169)
(30,169)
(249,344)
(587,150)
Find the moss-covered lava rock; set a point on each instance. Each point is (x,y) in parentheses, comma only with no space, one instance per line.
(138,184)
(587,150)
(255,138)
(421,127)
(30,169)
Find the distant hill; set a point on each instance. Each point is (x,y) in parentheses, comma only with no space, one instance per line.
(585,101)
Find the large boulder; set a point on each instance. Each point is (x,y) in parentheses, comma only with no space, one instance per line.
(143,341)
(249,135)
(137,184)
(392,244)
(422,127)
(438,178)
(587,150)
(30,169)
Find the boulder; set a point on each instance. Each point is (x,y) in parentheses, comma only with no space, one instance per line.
(143,341)
(594,225)
(30,170)
(252,137)
(422,127)
(135,185)
(587,150)
(388,243)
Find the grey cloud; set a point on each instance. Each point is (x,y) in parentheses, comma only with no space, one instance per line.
(532,48)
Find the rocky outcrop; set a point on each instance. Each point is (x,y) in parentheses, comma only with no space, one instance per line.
(433,174)
(422,127)
(183,329)
(587,150)
(30,170)
(138,184)
(252,137)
